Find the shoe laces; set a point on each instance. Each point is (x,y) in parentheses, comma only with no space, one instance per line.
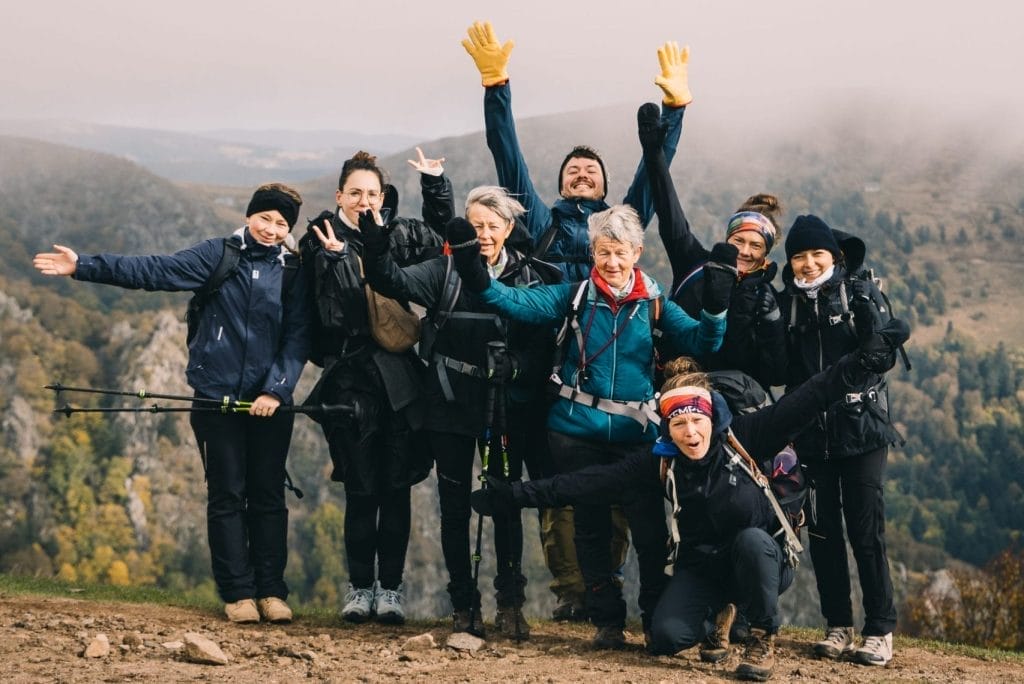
(874,644)
(758,647)
(837,635)
(358,595)
(390,597)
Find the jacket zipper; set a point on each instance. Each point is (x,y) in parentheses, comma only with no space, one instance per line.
(821,361)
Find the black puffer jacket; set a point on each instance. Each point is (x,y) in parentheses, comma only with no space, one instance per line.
(754,340)
(456,399)
(715,501)
(820,331)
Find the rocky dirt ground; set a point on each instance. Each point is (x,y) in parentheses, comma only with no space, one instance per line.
(44,639)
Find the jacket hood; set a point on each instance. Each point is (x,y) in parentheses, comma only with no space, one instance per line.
(854,251)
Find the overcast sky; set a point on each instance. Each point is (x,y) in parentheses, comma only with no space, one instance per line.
(385,66)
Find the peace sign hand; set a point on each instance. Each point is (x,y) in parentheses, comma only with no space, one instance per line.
(431,167)
(328,239)
(62,262)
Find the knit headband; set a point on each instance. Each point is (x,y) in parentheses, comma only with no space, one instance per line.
(752,220)
(271,199)
(682,400)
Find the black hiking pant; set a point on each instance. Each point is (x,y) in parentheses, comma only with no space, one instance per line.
(246,517)
(454,456)
(750,573)
(645,512)
(377,529)
(851,489)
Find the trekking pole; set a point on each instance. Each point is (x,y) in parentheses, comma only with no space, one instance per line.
(484,446)
(237,407)
(144,394)
(513,522)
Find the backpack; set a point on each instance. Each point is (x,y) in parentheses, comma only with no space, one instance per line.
(741,392)
(226,267)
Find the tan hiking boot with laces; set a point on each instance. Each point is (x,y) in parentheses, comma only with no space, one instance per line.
(838,641)
(758,657)
(273,609)
(242,612)
(716,644)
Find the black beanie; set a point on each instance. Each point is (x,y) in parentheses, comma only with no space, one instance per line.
(583,152)
(810,232)
(267,199)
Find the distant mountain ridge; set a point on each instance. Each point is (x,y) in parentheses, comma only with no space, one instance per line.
(227,156)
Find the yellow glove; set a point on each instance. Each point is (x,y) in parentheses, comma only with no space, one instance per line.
(674,79)
(491,57)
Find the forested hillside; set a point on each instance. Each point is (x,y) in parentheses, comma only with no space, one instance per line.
(121,500)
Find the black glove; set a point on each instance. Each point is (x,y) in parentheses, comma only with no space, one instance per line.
(877,353)
(719,276)
(502,367)
(374,239)
(866,317)
(649,127)
(767,306)
(494,499)
(466,253)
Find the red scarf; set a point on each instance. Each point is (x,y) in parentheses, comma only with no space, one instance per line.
(639,291)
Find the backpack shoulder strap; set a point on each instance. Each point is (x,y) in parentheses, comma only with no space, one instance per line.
(544,244)
(576,302)
(228,264)
(450,292)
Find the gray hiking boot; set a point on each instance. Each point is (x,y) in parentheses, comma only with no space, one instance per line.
(838,642)
(715,648)
(358,604)
(388,604)
(877,650)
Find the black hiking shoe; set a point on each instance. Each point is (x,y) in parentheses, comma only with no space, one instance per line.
(509,622)
(758,657)
(715,648)
(461,622)
(609,639)
(569,610)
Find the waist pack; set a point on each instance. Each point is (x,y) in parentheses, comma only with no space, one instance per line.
(392,326)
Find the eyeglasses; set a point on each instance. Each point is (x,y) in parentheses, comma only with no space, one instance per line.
(356,195)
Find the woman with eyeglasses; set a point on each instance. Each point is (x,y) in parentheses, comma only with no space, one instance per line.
(373,451)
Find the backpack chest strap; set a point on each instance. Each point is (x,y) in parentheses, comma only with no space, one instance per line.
(643,412)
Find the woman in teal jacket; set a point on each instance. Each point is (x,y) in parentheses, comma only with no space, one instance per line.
(604,382)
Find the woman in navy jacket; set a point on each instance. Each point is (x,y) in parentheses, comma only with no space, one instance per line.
(251,345)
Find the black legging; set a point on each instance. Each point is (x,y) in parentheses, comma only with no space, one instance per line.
(454,455)
(377,528)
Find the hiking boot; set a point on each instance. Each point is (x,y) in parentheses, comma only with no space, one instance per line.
(463,622)
(838,641)
(388,603)
(273,609)
(877,650)
(569,609)
(358,604)
(715,648)
(242,612)
(758,657)
(609,639)
(509,622)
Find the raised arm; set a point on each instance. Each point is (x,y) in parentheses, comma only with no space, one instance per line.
(674,82)
(421,283)
(684,250)
(491,58)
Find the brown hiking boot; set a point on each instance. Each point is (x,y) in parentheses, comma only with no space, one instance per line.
(273,609)
(569,609)
(509,622)
(758,657)
(462,621)
(242,612)
(838,642)
(715,648)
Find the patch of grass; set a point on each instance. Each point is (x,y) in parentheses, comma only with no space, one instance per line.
(810,635)
(20,584)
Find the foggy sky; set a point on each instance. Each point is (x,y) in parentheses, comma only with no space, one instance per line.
(397,67)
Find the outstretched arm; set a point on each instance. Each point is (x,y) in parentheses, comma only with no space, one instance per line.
(491,58)
(187,269)
(597,484)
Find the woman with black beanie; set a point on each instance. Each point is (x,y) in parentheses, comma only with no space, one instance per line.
(828,305)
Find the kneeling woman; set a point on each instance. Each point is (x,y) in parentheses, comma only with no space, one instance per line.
(726,552)
(476,359)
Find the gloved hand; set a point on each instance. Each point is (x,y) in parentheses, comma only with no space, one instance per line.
(503,367)
(649,127)
(490,56)
(866,317)
(494,499)
(674,77)
(374,239)
(767,306)
(877,353)
(466,253)
(719,276)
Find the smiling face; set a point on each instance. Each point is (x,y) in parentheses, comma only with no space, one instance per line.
(582,178)
(811,264)
(751,248)
(691,433)
(362,191)
(268,227)
(614,260)
(491,230)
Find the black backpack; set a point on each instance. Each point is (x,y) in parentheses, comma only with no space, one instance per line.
(227,266)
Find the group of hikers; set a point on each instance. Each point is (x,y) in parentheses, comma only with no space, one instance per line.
(544,345)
